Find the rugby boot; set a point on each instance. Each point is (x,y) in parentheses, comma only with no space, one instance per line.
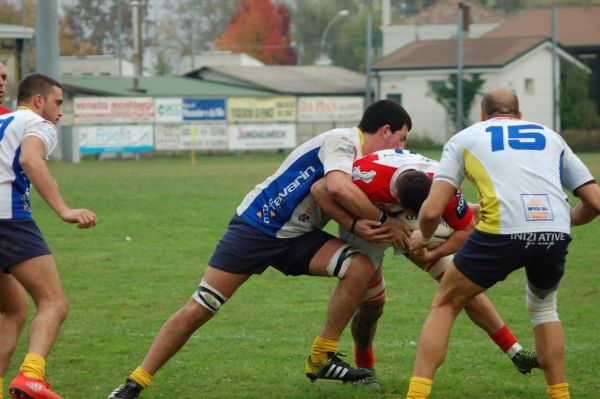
(128,390)
(23,387)
(525,360)
(371,382)
(334,369)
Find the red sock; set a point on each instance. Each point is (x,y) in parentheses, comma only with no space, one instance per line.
(504,338)
(364,359)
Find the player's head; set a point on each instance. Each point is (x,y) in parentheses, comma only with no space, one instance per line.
(500,102)
(42,94)
(386,125)
(3,78)
(412,187)
(384,112)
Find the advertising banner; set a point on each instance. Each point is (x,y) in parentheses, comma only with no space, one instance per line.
(330,109)
(261,109)
(204,109)
(168,110)
(190,136)
(113,110)
(115,138)
(262,137)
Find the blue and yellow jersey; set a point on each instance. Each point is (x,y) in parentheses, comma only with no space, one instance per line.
(519,169)
(282,206)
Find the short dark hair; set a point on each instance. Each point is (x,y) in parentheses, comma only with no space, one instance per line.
(412,188)
(384,112)
(34,84)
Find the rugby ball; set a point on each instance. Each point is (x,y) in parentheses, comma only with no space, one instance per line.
(441,234)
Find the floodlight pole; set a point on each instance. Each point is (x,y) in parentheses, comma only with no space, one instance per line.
(323,59)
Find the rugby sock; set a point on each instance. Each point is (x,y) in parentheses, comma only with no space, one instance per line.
(364,359)
(318,352)
(33,366)
(141,377)
(1,387)
(505,339)
(419,388)
(558,391)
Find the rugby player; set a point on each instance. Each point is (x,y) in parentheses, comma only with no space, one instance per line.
(277,224)
(398,181)
(519,169)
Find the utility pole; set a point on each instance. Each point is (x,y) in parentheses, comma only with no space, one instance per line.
(137,37)
(46,36)
(368,51)
(459,67)
(555,102)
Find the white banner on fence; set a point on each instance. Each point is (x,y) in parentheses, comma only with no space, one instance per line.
(115,138)
(168,110)
(262,137)
(330,109)
(113,109)
(190,136)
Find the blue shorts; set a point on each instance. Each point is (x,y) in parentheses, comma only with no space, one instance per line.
(246,250)
(20,240)
(488,258)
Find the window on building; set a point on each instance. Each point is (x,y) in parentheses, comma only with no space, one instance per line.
(529,86)
(433,86)
(397,97)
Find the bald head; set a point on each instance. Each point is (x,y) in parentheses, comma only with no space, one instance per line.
(500,102)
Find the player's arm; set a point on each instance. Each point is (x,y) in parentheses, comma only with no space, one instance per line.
(32,162)
(370,230)
(589,205)
(353,199)
(350,196)
(431,211)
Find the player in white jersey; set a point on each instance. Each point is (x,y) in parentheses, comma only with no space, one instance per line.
(27,137)
(398,181)
(278,224)
(519,169)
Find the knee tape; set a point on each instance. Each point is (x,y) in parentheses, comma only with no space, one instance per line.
(541,305)
(375,290)
(209,297)
(341,259)
(437,268)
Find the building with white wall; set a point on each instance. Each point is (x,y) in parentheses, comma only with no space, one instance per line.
(411,75)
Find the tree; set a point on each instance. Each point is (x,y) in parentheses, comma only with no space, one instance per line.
(92,25)
(447,95)
(309,19)
(577,110)
(261,29)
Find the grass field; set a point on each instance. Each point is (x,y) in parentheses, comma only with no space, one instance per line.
(122,291)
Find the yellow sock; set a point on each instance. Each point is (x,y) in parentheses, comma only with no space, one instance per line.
(141,377)
(419,388)
(33,366)
(558,391)
(1,387)
(318,352)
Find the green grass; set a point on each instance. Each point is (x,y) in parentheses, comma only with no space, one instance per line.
(122,291)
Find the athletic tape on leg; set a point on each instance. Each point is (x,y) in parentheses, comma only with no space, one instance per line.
(207,296)
(341,259)
(541,305)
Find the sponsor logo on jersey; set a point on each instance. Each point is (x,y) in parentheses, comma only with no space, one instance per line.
(358,174)
(305,176)
(537,207)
